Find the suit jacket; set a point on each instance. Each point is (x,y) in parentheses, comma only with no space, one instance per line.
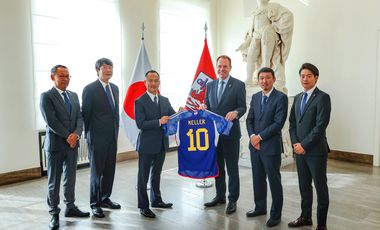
(101,122)
(268,124)
(59,122)
(151,136)
(233,99)
(309,129)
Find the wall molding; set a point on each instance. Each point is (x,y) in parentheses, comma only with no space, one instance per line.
(19,176)
(351,157)
(34,173)
(126,156)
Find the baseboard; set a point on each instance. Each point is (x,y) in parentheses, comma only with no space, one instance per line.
(126,156)
(19,176)
(33,173)
(351,157)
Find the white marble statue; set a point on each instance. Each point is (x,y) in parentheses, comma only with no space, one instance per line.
(267,42)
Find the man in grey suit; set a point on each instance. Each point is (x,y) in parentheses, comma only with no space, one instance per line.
(151,112)
(226,97)
(61,112)
(309,117)
(266,117)
(100,109)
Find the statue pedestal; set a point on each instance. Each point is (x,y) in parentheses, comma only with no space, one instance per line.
(245,160)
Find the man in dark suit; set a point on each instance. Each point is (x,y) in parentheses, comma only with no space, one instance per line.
(61,111)
(100,109)
(309,117)
(151,112)
(226,97)
(266,117)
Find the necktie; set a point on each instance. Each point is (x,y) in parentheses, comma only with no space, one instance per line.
(264,103)
(220,91)
(155,100)
(67,102)
(303,102)
(109,96)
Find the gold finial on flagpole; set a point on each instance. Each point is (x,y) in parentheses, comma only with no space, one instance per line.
(205,28)
(142,31)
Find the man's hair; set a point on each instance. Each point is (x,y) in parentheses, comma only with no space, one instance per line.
(266,70)
(101,62)
(310,67)
(224,57)
(152,71)
(53,70)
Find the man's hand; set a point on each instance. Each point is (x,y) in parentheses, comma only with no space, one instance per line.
(72,140)
(202,107)
(231,115)
(255,141)
(164,120)
(298,149)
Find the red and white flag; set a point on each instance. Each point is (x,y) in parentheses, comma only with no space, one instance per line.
(205,73)
(135,90)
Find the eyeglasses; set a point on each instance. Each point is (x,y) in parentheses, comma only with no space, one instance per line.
(63,76)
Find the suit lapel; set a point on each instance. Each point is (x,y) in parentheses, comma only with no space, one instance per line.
(60,99)
(227,91)
(215,91)
(257,104)
(309,101)
(161,104)
(115,97)
(269,101)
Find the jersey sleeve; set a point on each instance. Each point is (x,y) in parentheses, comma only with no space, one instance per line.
(222,125)
(171,127)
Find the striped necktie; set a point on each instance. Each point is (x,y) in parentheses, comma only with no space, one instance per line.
(303,102)
(109,96)
(67,101)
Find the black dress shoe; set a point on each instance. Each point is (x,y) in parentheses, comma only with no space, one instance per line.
(231,208)
(54,222)
(272,222)
(98,212)
(321,227)
(147,213)
(215,202)
(254,213)
(75,212)
(161,205)
(110,204)
(300,221)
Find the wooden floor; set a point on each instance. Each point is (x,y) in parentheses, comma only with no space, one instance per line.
(354,201)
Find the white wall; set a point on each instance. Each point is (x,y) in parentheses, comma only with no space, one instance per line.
(338,36)
(132,14)
(18,138)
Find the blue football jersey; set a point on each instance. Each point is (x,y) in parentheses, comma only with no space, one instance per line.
(197,134)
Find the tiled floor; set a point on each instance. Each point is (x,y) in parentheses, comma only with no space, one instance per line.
(354,201)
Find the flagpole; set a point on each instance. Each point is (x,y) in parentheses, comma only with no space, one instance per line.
(205,28)
(204,183)
(142,31)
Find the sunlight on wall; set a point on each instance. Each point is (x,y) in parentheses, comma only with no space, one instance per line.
(181,37)
(68,32)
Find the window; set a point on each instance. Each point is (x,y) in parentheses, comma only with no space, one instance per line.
(181,36)
(75,34)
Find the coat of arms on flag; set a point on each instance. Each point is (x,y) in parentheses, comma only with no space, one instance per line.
(205,73)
